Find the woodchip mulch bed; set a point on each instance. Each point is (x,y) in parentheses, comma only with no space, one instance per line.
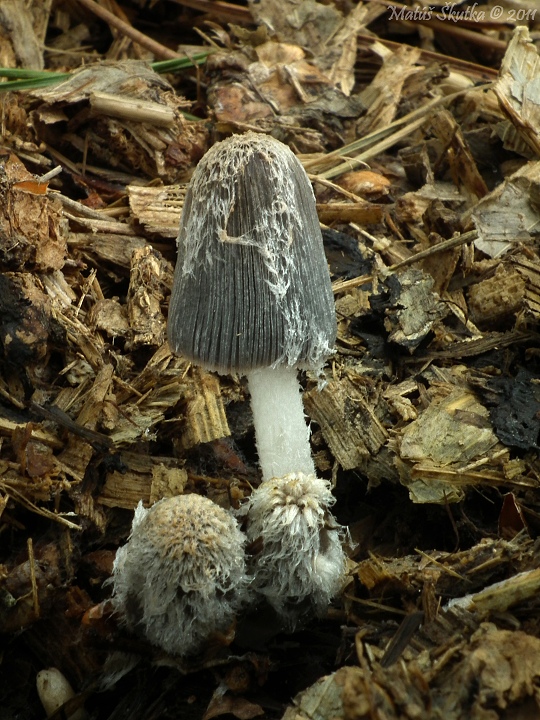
(420,132)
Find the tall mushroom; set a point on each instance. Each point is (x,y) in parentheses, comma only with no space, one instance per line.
(252,296)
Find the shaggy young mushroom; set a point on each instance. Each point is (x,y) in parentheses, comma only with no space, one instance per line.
(181,577)
(252,296)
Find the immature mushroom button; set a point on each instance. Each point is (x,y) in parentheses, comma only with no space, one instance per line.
(252,295)
(181,577)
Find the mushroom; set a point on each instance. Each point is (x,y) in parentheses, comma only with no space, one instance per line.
(181,577)
(252,296)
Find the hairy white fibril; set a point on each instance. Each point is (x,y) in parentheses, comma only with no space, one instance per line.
(281,431)
(181,576)
(302,557)
(251,287)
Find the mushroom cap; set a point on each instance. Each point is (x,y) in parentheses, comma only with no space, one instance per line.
(251,286)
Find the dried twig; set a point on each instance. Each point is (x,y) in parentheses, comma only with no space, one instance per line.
(158,49)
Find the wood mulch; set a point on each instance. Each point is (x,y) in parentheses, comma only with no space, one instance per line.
(420,131)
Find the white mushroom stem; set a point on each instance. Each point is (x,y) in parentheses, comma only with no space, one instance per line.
(281,431)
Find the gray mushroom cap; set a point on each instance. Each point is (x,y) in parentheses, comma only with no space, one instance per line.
(251,286)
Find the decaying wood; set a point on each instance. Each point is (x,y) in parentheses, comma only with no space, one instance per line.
(347,417)
(158,209)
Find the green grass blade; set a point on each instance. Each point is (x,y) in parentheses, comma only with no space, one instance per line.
(33,79)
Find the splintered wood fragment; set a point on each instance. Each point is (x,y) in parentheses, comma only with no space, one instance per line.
(142,478)
(444,246)
(365,213)
(102,225)
(158,209)
(348,421)
(149,275)
(32,564)
(144,111)
(159,50)
(396,396)
(138,419)
(509,213)
(75,458)
(383,94)
(205,412)
(9,425)
(501,595)
(478,346)
(344,285)
(463,169)
(497,299)
(116,249)
(78,452)
(22,500)
(530,272)
(517,88)
(402,637)
(125,489)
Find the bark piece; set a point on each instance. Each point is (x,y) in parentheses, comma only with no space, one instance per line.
(510,213)
(348,420)
(450,430)
(308,24)
(110,316)
(412,308)
(453,431)
(25,319)
(514,404)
